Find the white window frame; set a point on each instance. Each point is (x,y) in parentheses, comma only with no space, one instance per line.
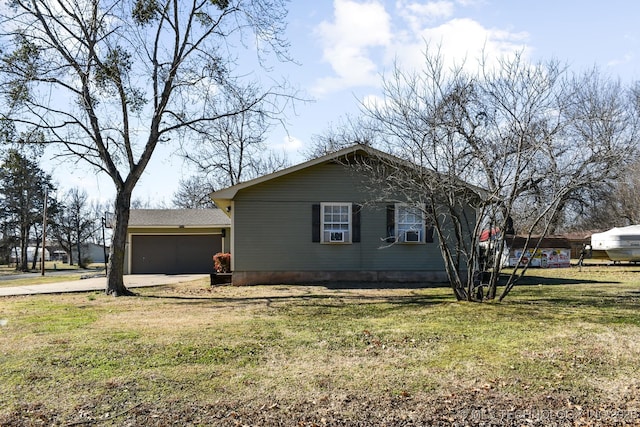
(402,227)
(326,233)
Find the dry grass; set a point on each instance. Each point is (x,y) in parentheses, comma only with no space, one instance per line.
(38,279)
(304,355)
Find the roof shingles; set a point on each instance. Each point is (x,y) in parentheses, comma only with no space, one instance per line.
(178,217)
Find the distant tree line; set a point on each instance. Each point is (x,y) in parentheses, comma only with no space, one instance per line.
(72,220)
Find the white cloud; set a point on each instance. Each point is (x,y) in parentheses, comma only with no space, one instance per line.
(359,40)
(373,101)
(460,40)
(347,42)
(418,15)
(470,2)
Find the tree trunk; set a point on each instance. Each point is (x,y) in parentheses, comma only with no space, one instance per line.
(115,268)
(34,263)
(80,262)
(69,249)
(24,244)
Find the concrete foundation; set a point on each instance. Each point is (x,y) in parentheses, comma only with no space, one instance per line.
(242,278)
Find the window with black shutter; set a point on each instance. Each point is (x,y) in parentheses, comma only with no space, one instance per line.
(391,224)
(355,222)
(336,222)
(315,223)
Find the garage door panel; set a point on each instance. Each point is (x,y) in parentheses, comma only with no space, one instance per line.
(174,254)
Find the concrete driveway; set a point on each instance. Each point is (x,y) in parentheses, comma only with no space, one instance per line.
(99,284)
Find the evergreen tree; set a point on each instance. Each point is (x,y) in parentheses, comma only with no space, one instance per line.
(23,188)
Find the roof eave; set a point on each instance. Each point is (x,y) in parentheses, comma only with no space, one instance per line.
(224,204)
(222,198)
(174,226)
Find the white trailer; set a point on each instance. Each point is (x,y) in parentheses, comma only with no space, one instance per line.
(619,243)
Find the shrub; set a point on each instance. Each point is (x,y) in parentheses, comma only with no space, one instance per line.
(222,262)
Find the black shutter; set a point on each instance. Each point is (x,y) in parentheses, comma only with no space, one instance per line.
(315,223)
(428,238)
(391,223)
(355,222)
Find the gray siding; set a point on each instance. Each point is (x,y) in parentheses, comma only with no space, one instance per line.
(273,228)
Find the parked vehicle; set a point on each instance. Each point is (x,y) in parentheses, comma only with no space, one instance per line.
(617,244)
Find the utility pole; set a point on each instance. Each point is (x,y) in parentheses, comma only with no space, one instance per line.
(44,228)
(104,242)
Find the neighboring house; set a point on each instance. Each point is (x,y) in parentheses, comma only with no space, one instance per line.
(174,241)
(315,222)
(91,251)
(15,255)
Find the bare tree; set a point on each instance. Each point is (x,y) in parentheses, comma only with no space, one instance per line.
(623,201)
(617,203)
(74,224)
(108,81)
(193,193)
(148,203)
(232,149)
(596,142)
(348,131)
(100,211)
(506,147)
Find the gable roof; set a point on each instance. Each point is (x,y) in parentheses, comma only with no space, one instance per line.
(222,198)
(213,218)
(230,192)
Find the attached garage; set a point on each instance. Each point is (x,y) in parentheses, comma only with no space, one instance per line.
(175,241)
(174,254)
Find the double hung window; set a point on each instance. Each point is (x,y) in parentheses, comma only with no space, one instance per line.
(336,222)
(409,224)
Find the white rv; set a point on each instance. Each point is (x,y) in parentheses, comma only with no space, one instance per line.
(619,243)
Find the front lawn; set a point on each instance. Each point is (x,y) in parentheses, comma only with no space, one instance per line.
(564,349)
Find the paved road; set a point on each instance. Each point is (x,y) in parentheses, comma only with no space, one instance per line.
(21,275)
(99,284)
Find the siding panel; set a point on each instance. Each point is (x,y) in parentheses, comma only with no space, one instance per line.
(272,222)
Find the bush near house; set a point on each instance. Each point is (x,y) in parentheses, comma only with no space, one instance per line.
(222,262)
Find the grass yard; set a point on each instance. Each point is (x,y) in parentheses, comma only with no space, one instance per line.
(48,265)
(54,272)
(563,349)
(38,280)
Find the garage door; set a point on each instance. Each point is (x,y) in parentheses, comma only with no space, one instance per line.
(174,254)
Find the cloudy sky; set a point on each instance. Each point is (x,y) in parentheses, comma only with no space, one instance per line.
(346,45)
(343,47)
